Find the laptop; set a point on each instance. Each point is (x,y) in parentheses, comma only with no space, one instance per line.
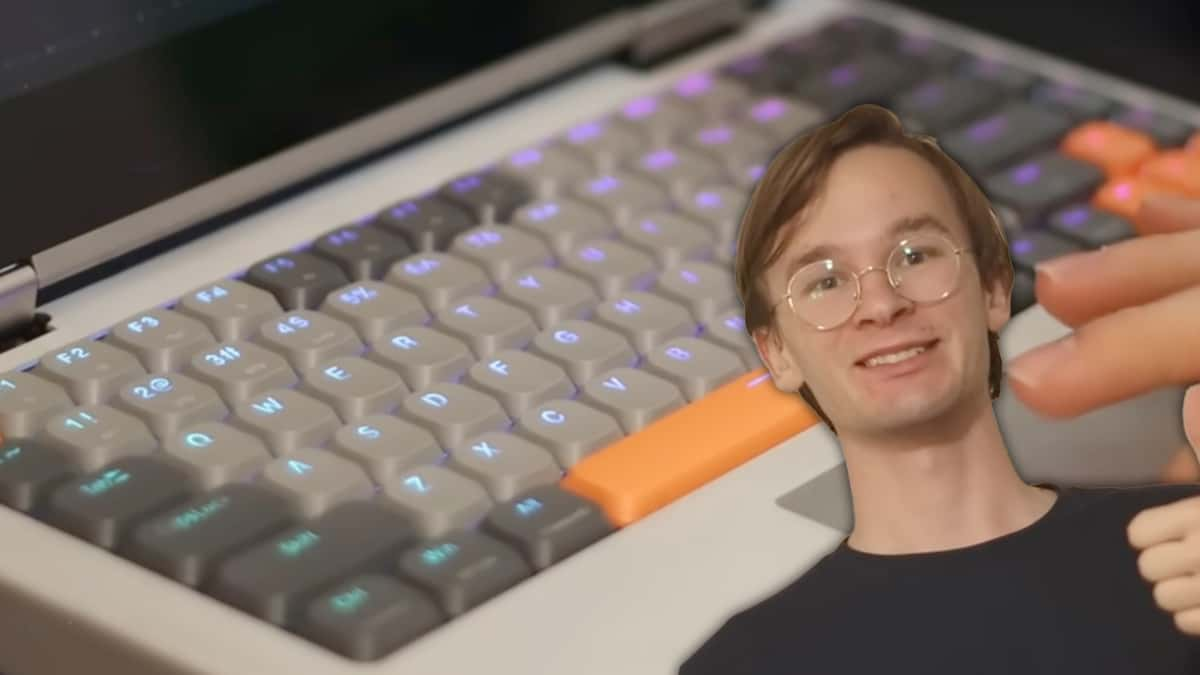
(401,337)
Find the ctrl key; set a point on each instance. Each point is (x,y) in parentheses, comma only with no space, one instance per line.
(369,616)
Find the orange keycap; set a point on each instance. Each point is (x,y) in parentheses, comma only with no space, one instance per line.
(678,453)
(1174,170)
(1123,196)
(1193,145)
(1116,149)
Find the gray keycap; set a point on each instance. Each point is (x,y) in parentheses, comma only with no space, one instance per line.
(94,435)
(563,223)
(504,463)
(658,119)
(239,370)
(287,420)
(621,195)
(1004,136)
(486,324)
(519,380)
(231,309)
(1005,75)
(501,250)
(633,397)
(867,77)
(1043,183)
(545,170)
(463,569)
(490,196)
(725,254)
(720,207)
(355,387)
(944,102)
(27,402)
(583,349)
(384,445)
(569,429)
(547,524)
(422,356)
(29,471)
(162,340)
(730,142)
(90,370)
(602,143)
(297,280)
(695,366)
(745,173)
(705,289)
(676,169)
(369,617)
(1090,226)
(438,279)
(611,266)
(314,481)
(307,338)
(669,238)
(549,295)
(1034,247)
(453,412)
(428,223)
(728,330)
(714,96)
(374,308)
(1071,99)
(780,117)
(213,454)
(646,320)
(362,251)
(437,500)
(168,401)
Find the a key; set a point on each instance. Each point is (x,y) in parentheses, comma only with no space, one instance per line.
(504,464)
(569,429)
(757,72)
(428,223)
(1024,293)
(549,295)
(807,52)
(486,325)
(307,338)
(362,252)
(438,279)
(297,280)
(621,195)
(945,102)
(314,481)
(102,506)
(287,420)
(29,471)
(1012,79)
(730,143)
(633,397)
(355,387)
(745,174)
(27,402)
(1015,130)
(712,95)
(933,54)
(453,412)
(1167,131)
(857,31)
(90,370)
(780,117)
(374,308)
(463,570)
(583,348)
(1172,171)
(704,288)
(719,207)
(1036,246)
(167,402)
(676,169)
(519,380)
(501,251)
(240,370)
(231,309)
(162,340)
(872,77)
(277,578)
(187,542)
(1117,149)
(95,435)
(728,330)
(436,500)
(1042,183)
(669,238)
(611,266)
(646,320)
(602,143)
(1080,104)
(658,119)
(695,366)
(489,196)
(369,617)
(1090,226)
(547,524)
(563,223)
(545,170)
(213,454)
(384,445)
(422,356)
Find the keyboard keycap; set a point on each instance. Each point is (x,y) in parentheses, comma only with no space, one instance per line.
(547,524)
(1116,149)
(501,251)
(669,238)
(1166,131)
(438,279)
(612,267)
(519,380)
(463,569)
(1015,130)
(1037,246)
(1080,104)
(240,370)
(621,195)
(569,429)
(549,295)
(314,481)
(369,617)
(169,401)
(95,435)
(729,143)
(27,402)
(658,120)
(287,420)
(808,52)
(453,412)
(90,370)
(872,77)
(307,338)
(161,339)
(545,171)
(781,118)
(101,507)
(695,366)
(1090,227)
(232,310)
(436,500)
(1124,195)
(489,196)
(29,471)
(374,308)
(720,207)
(758,73)
(362,252)
(428,223)
(703,287)
(1042,183)
(728,330)
(602,143)
(583,349)
(563,224)
(1005,75)
(297,280)
(635,398)
(931,53)
(646,320)
(945,102)
(504,464)
(1173,171)
(486,324)
(187,542)
(712,95)
(384,445)
(422,356)
(213,454)
(674,168)
(355,387)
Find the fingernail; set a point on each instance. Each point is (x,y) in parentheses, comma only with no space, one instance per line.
(1071,265)
(1030,368)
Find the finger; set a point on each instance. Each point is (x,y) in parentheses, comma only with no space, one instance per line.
(1188,621)
(1178,594)
(1162,212)
(1160,525)
(1114,357)
(1170,560)
(1191,418)
(1182,467)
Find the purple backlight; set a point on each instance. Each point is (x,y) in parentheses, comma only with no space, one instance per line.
(659,159)
(843,76)
(466,184)
(603,184)
(1076,216)
(584,132)
(708,200)
(748,65)
(592,254)
(987,129)
(694,85)
(1022,246)
(768,110)
(526,157)
(714,135)
(650,227)
(755,172)
(931,93)
(1026,173)
(640,108)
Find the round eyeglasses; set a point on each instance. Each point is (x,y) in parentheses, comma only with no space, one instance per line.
(922,268)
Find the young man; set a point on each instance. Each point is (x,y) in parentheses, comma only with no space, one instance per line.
(875,277)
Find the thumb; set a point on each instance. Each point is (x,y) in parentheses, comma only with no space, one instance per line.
(1191,417)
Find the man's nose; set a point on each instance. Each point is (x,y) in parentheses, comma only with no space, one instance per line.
(880,303)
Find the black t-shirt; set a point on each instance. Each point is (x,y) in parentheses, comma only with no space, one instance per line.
(1062,595)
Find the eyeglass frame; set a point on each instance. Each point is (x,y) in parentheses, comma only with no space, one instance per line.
(858,294)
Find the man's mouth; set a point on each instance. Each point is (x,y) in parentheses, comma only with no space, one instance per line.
(897,356)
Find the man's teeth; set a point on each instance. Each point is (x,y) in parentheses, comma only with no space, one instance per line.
(897,357)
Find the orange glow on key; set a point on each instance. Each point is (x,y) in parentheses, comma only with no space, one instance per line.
(1116,149)
(1173,171)
(1123,196)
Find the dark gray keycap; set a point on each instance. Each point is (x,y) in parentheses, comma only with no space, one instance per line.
(569,429)
(90,370)
(101,507)
(806,52)
(602,143)
(675,168)
(287,420)
(670,238)
(355,387)
(1013,79)
(422,356)
(729,142)
(439,279)
(713,96)
(276,579)
(704,288)
(583,348)
(213,454)
(490,196)
(857,31)
(519,380)
(1024,292)
(947,101)
(563,224)
(646,320)
(95,435)
(728,330)
(549,295)
(29,471)
(363,252)
(547,524)
(232,310)
(545,171)
(187,542)
(162,340)
(384,445)
(872,77)
(1012,222)
(453,412)
(169,401)
(759,73)
(502,251)
(621,195)
(782,118)
(463,570)
(1090,226)
(1042,183)
(1036,246)
(486,324)
(436,500)
(922,48)
(695,366)
(27,402)
(314,481)
(297,280)
(1012,132)
(1079,104)
(1166,131)
(428,223)
(504,464)
(658,119)
(369,617)
(611,266)
(720,207)
(240,370)
(307,338)
(374,308)
(634,398)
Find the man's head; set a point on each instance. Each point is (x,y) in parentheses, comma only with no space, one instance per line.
(844,187)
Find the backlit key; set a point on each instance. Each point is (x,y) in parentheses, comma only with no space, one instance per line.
(30,470)
(26,402)
(453,412)
(90,370)
(436,500)
(1174,170)
(1124,195)
(1008,134)
(384,445)
(1166,131)
(314,481)
(1117,149)
(162,339)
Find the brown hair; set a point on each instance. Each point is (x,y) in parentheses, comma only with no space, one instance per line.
(793,180)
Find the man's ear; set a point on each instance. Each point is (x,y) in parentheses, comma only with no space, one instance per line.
(999,304)
(771,351)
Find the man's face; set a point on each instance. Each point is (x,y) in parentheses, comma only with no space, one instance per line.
(867,190)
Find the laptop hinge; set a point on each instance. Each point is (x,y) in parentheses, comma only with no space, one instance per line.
(667,28)
(19,318)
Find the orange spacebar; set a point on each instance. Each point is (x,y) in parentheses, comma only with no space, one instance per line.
(689,447)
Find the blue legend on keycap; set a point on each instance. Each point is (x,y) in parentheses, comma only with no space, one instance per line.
(194,516)
(295,545)
(109,480)
(436,555)
(349,601)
